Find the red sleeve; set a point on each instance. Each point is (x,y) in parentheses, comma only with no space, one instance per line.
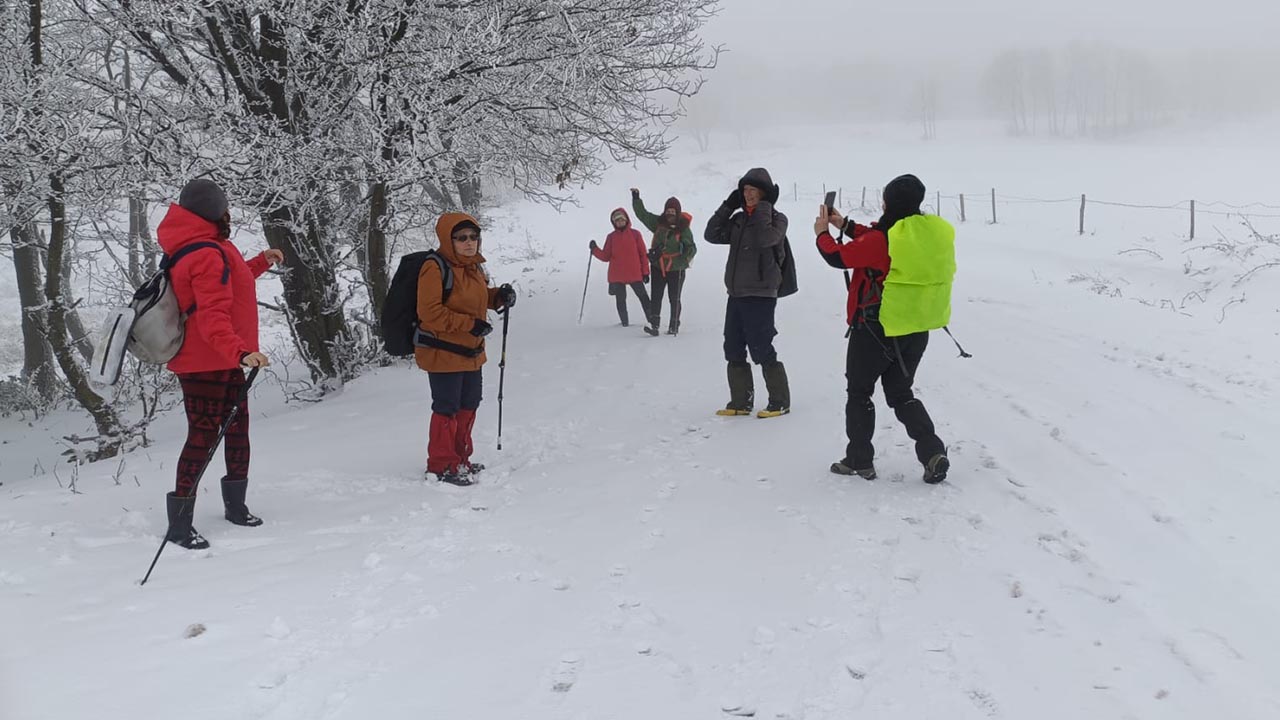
(605,254)
(212,298)
(259,265)
(866,248)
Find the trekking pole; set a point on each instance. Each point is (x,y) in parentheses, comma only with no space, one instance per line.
(231,415)
(584,289)
(502,368)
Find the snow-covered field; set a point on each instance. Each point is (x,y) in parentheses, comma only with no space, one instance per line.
(1104,547)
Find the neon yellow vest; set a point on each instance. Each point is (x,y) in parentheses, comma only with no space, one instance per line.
(922,267)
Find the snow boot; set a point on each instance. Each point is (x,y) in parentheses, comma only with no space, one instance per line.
(775,379)
(655,321)
(455,476)
(180,531)
(742,394)
(673,328)
(840,467)
(935,471)
(237,513)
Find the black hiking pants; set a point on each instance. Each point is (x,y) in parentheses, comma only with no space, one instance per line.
(892,361)
(749,327)
(671,284)
(619,293)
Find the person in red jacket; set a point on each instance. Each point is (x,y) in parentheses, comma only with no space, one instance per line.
(628,257)
(214,286)
(872,356)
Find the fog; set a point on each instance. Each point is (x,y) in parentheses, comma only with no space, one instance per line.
(1086,68)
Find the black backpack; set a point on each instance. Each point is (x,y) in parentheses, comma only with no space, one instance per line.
(400,310)
(789,285)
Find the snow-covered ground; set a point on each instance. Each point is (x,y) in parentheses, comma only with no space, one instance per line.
(1103,549)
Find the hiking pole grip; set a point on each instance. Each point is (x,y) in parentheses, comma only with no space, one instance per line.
(222,431)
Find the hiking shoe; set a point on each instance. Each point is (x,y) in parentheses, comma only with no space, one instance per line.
(455,477)
(935,471)
(866,473)
(652,330)
(731,411)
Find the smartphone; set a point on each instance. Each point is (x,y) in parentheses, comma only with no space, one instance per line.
(830,201)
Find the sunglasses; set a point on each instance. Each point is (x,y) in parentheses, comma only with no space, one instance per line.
(466,237)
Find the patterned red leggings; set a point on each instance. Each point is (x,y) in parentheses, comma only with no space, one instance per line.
(208,397)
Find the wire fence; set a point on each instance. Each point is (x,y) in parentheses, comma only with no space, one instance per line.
(985,205)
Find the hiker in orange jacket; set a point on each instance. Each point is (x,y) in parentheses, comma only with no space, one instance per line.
(450,345)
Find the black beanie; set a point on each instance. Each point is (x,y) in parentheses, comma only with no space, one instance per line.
(204,198)
(903,196)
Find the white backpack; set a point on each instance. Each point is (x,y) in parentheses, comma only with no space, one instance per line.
(152,328)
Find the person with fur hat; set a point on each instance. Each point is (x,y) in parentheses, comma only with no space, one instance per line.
(450,345)
(902,269)
(756,235)
(628,264)
(670,255)
(214,285)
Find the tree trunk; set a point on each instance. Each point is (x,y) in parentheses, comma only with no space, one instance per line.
(376,251)
(468,183)
(38,369)
(80,339)
(104,417)
(311,292)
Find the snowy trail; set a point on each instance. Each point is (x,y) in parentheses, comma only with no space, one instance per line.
(1101,550)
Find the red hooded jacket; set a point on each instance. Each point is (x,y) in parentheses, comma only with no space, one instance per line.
(626,253)
(224,325)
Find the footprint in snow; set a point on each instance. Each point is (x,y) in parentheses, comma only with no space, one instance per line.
(566,673)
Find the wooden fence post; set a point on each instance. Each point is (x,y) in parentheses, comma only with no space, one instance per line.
(1082,202)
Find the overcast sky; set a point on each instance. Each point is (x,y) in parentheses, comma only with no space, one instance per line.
(808,31)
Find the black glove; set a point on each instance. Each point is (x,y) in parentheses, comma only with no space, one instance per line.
(593,245)
(507,294)
(734,201)
(635,192)
(481,328)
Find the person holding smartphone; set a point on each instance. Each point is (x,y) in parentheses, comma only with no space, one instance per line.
(902,267)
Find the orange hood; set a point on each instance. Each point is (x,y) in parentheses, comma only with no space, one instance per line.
(444,233)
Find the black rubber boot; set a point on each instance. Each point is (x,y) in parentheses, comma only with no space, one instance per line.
(233,492)
(742,393)
(775,379)
(180,532)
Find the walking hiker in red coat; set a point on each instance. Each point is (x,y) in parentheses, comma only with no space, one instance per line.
(215,288)
(628,259)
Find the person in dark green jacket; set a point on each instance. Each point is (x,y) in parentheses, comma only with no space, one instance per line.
(670,255)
